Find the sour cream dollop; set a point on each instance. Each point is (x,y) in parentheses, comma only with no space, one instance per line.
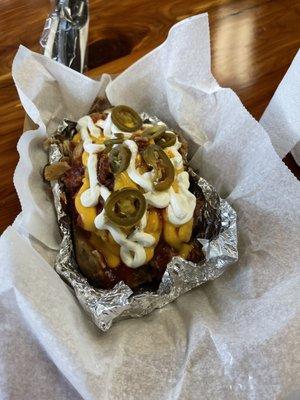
(132,248)
(86,127)
(182,204)
(143,180)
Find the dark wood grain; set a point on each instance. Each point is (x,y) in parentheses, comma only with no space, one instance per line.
(253,43)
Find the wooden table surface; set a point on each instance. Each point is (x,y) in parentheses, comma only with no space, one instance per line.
(253,43)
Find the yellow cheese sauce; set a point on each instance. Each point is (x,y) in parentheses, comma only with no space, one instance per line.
(98,140)
(169,153)
(76,138)
(84,158)
(176,237)
(185,250)
(154,227)
(87,214)
(108,248)
(122,180)
(175,186)
(140,164)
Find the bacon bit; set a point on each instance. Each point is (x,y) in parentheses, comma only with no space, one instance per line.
(184,145)
(162,256)
(97,115)
(198,210)
(99,206)
(133,277)
(73,179)
(196,254)
(141,142)
(105,177)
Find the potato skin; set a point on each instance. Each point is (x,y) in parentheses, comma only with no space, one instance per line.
(91,262)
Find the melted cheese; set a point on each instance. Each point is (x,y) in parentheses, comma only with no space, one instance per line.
(132,247)
(109,250)
(122,180)
(84,158)
(143,180)
(153,221)
(185,250)
(175,186)
(140,164)
(185,231)
(149,253)
(174,155)
(154,227)
(99,140)
(115,244)
(103,240)
(175,236)
(171,235)
(169,152)
(87,214)
(76,138)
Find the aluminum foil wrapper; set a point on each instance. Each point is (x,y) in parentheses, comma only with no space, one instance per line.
(219,243)
(65,33)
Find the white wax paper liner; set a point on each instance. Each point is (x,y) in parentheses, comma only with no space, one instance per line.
(234,338)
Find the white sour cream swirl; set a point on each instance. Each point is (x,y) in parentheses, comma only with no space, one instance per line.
(132,248)
(180,206)
(143,180)
(177,157)
(86,126)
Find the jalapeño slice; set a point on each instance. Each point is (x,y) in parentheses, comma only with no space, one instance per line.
(125,207)
(126,119)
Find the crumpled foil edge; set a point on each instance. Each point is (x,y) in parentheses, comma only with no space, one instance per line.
(65,34)
(107,306)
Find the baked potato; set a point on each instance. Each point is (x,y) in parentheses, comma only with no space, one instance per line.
(132,203)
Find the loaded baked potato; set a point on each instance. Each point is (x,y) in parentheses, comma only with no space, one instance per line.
(131,200)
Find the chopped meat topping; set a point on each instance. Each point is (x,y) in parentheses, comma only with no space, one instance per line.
(105,177)
(198,211)
(141,142)
(196,253)
(97,115)
(162,256)
(73,179)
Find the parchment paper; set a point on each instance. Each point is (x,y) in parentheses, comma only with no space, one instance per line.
(234,338)
(281,118)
